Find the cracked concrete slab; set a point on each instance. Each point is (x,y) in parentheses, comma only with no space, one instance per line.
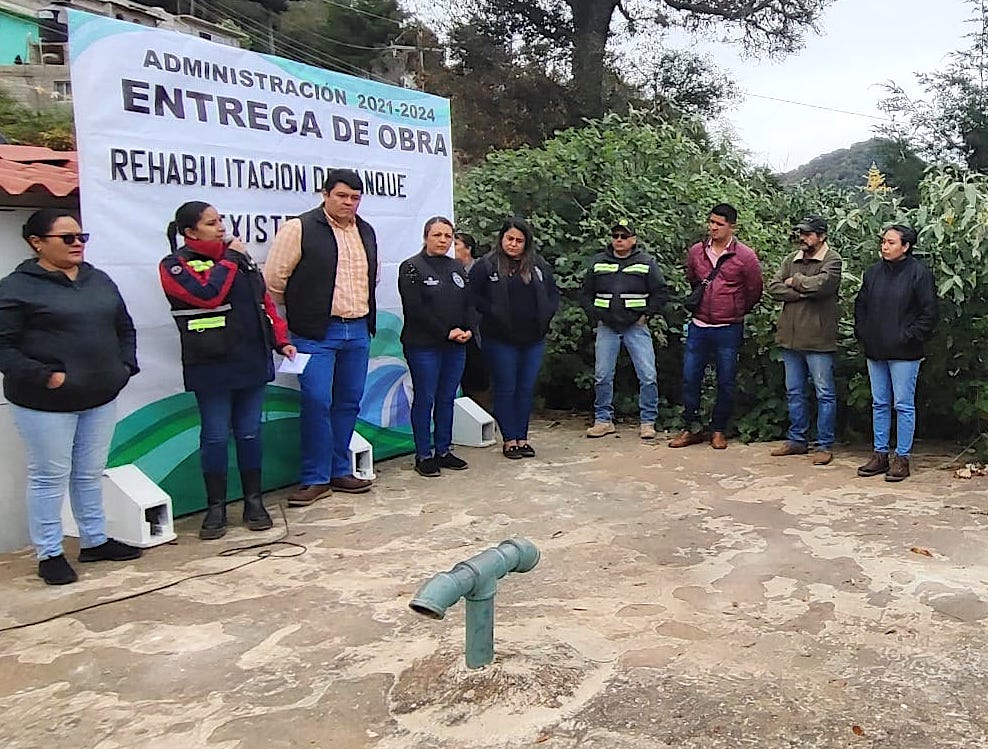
(685,598)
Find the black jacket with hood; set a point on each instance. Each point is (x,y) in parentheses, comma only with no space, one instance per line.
(617,291)
(50,323)
(896,311)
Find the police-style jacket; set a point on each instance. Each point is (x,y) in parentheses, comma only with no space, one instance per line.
(619,290)
(434,299)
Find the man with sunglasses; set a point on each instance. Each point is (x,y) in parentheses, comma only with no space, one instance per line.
(622,287)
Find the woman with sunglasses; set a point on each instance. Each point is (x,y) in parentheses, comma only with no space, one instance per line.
(67,348)
(228,325)
(516,296)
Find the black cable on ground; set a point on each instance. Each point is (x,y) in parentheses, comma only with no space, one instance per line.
(265,552)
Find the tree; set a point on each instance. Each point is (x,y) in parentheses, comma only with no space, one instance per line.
(950,123)
(580,29)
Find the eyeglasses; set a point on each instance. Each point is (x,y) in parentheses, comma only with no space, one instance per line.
(70,239)
(619,235)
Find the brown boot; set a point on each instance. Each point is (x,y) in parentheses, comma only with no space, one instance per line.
(686,438)
(899,469)
(789,448)
(822,457)
(718,441)
(879,463)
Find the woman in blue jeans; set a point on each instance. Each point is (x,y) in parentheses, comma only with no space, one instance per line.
(228,326)
(895,313)
(67,348)
(514,291)
(437,311)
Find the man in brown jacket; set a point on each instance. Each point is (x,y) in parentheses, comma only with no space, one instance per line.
(807,284)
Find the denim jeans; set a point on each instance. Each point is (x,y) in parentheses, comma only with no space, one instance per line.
(66,451)
(436,373)
(514,370)
(721,344)
(819,367)
(331,388)
(638,340)
(893,382)
(217,411)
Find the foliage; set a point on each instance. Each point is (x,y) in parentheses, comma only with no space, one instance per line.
(667,177)
(48,127)
(950,122)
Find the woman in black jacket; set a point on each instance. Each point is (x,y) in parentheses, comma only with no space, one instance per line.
(437,311)
(895,313)
(228,325)
(516,296)
(67,348)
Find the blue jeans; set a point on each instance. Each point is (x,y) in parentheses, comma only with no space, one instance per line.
(893,382)
(638,340)
(65,452)
(436,373)
(331,388)
(721,344)
(819,367)
(217,410)
(514,370)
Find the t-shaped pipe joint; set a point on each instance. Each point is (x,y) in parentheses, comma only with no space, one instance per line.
(475,579)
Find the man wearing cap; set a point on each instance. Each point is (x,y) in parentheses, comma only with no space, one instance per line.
(807,284)
(622,287)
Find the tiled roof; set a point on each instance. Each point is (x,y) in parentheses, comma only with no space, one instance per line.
(33,169)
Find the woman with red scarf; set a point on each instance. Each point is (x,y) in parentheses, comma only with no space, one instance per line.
(228,325)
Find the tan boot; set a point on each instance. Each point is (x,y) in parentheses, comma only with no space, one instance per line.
(600,429)
(789,448)
(686,438)
(647,431)
(822,457)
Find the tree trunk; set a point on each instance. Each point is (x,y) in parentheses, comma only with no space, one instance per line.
(591,26)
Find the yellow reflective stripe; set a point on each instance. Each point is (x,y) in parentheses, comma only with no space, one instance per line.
(635,303)
(206,323)
(606,267)
(605,303)
(201,265)
(636,268)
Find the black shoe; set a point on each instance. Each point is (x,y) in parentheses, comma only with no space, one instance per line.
(453,463)
(512,453)
(428,467)
(56,571)
(214,522)
(109,551)
(526,450)
(256,517)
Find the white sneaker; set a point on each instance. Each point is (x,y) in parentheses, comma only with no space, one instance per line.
(601,429)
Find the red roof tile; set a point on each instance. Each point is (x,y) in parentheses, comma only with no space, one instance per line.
(26,169)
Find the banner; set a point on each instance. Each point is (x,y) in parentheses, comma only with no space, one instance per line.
(163,118)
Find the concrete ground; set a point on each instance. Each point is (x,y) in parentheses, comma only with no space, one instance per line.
(685,598)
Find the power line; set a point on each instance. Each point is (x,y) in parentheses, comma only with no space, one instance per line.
(362,12)
(818,106)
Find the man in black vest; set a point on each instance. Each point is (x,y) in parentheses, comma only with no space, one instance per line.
(323,265)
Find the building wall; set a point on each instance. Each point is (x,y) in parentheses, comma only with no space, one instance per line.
(37,86)
(16,35)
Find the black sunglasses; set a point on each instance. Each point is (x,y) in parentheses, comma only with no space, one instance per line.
(619,235)
(70,238)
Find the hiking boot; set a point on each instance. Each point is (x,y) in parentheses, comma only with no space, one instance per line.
(214,521)
(879,463)
(789,448)
(452,462)
(718,441)
(601,429)
(350,484)
(306,494)
(647,431)
(428,467)
(822,457)
(686,438)
(899,469)
(56,571)
(110,551)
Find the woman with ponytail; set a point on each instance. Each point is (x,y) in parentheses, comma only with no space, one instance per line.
(228,325)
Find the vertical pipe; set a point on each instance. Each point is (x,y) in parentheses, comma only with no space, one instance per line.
(480,632)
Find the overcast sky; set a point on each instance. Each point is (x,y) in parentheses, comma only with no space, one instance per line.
(863,43)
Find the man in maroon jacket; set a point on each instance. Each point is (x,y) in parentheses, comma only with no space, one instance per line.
(717,327)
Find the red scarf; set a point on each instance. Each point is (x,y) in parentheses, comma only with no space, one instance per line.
(212,250)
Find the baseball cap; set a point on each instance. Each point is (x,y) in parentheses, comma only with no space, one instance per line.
(625,224)
(813,224)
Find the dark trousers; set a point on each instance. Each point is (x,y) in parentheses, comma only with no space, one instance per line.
(720,344)
(220,410)
(436,373)
(514,370)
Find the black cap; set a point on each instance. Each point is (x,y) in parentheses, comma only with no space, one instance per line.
(812,224)
(624,224)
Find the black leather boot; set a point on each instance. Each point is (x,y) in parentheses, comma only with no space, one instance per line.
(256,517)
(214,524)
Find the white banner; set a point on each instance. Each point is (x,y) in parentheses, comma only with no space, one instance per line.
(163,118)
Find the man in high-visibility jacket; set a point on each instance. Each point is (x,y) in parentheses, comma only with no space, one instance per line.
(622,288)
